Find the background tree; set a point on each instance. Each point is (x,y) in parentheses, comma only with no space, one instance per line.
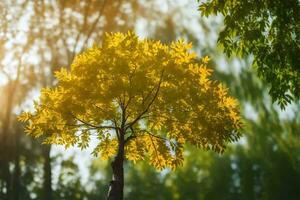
(143,99)
(69,182)
(268,30)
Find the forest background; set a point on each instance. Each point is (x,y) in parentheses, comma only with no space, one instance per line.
(39,37)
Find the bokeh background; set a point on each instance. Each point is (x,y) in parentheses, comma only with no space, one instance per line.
(38,37)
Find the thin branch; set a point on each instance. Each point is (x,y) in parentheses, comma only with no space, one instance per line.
(62,35)
(129,99)
(123,120)
(95,23)
(84,122)
(92,125)
(151,102)
(148,95)
(171,119)
(80,125)
(156,136)
(156,154)
(117,129)
(130,81)
(132,136)
(86,11)
(101,109)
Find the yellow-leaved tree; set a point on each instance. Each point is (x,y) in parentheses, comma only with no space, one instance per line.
(142,99)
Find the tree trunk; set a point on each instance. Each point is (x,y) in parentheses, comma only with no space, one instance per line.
(17,170)
(5,156)
(47,185)
(5,138)
(117,184)
(5,173)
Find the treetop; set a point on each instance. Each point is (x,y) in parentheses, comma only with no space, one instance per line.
(159,96)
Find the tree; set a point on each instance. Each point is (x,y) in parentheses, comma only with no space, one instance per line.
(268,30)
(142,99)
(49,43)
(28,63)
(242,172)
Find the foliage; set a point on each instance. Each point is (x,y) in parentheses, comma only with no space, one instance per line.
(159,95)
(243,172)
(268,30)
(32,46)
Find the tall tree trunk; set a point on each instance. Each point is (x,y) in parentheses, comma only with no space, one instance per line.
(117,184)
(17,171)
(16,179)
(5,136)
(47,185)
(7,178)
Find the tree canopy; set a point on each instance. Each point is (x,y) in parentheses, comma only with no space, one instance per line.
(159,96)
(268,30)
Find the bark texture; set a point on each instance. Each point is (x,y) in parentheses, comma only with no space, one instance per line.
(47,185)
(117,184)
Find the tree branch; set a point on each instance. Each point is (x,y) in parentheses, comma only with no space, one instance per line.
(151,102)
(92,125)
(86,11)
(156,154)
(94,24)
(132,136)
(156,136)
(117,129)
